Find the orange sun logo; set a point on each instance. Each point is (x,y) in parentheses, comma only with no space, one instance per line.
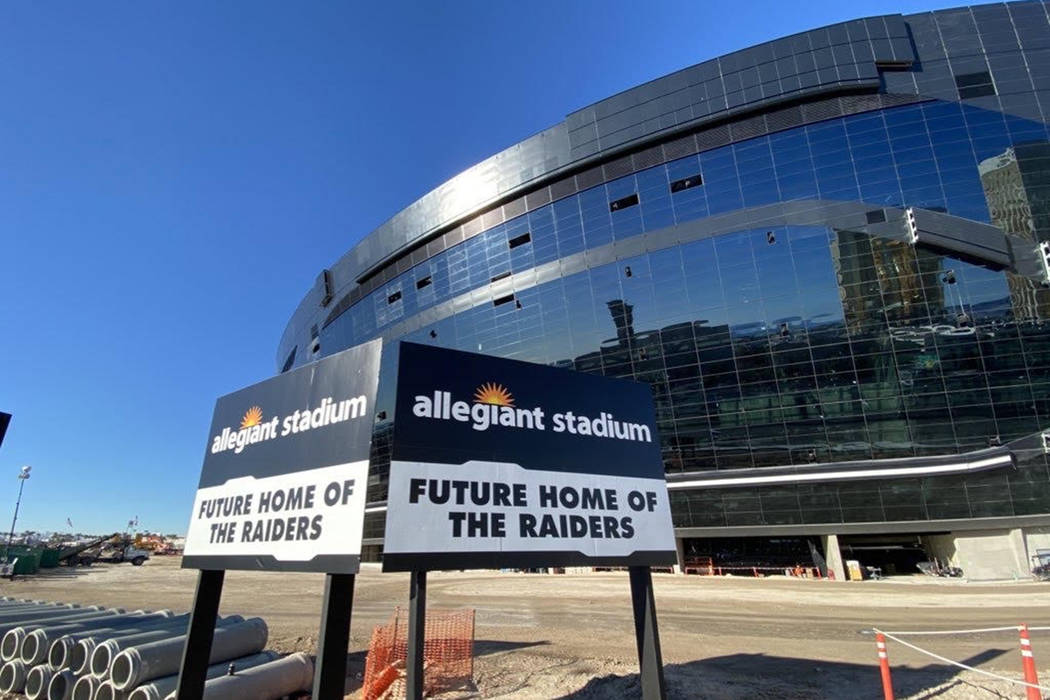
(495,394)
(253,416)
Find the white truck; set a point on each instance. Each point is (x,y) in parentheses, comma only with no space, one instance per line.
(115,548)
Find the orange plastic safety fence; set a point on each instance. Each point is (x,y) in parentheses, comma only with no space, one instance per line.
(448,654)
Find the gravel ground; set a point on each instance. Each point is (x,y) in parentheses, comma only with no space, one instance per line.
(547,636)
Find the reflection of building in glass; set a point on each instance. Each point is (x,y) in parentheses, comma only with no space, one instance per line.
(1017,186)
(885,280)
(825,363)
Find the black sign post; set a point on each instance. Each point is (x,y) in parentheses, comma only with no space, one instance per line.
(505,464)
(417,620)
(330,673)
(283,489)
(650,661)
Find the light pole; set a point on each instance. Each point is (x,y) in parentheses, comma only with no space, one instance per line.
(22,476)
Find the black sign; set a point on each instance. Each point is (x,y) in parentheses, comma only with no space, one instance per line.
(286,469)
(500,463)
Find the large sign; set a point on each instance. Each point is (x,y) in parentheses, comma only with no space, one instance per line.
(499,463)
(286,470)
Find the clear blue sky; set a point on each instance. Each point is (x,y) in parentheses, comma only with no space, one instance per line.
(173,176)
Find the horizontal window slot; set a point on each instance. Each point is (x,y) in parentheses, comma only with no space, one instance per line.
(624,202)
(393,297)
(501,276)
(687,182)
(519,240)
(500,301)
(423,282)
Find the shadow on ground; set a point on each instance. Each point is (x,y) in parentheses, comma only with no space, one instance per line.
(761,676)
(60,572)
(483,647)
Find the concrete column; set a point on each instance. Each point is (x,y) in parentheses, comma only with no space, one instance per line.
(833,556)
(679,545)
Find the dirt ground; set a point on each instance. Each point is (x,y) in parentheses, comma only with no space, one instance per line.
(552,636)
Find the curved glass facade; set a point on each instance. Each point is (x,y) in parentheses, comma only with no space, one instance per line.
(767,290)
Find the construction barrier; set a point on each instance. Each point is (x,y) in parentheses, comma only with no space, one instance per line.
(448,654)
(703,566)
(1030,682)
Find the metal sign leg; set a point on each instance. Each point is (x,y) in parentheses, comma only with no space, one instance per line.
(332,643)
(650,662)
(417,621)
(197,652)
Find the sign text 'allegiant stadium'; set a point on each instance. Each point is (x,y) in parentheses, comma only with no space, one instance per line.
(483,416)
(254,429)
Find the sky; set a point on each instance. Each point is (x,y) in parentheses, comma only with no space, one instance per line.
(173,177)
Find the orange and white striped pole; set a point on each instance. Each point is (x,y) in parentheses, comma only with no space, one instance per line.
(1028,662)
(884,666)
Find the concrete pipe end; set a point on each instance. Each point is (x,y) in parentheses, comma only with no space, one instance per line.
(107,691)
(13,676)
(102,659)
(34,649)
(37,681)
(11,643)
(85,688)
(80,656)
(61,685)
(124,671)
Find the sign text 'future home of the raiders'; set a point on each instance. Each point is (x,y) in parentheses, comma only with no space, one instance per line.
(285,474)
(500,463)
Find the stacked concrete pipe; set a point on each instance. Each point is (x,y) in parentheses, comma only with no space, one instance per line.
(13,674)
(44,615)
(141,664)
(104,651)
(160,688)
(12,640)
(270,681)
(37,643)
(59,654)
(137,655)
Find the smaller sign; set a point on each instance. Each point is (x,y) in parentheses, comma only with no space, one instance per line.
(286,470)
(500,463)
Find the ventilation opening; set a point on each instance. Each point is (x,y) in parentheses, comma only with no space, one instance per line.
(875,216)
(519,240)
(687,182)
(396,296)
(624,202)
(424,282)
(974,85)
(500,276)
(500,301)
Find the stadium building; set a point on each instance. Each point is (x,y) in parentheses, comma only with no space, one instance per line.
(826,255)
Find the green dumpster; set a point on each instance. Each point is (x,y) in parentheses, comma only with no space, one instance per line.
(49,558)
(28,562)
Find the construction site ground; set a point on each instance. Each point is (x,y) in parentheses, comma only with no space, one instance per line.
(572,635)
